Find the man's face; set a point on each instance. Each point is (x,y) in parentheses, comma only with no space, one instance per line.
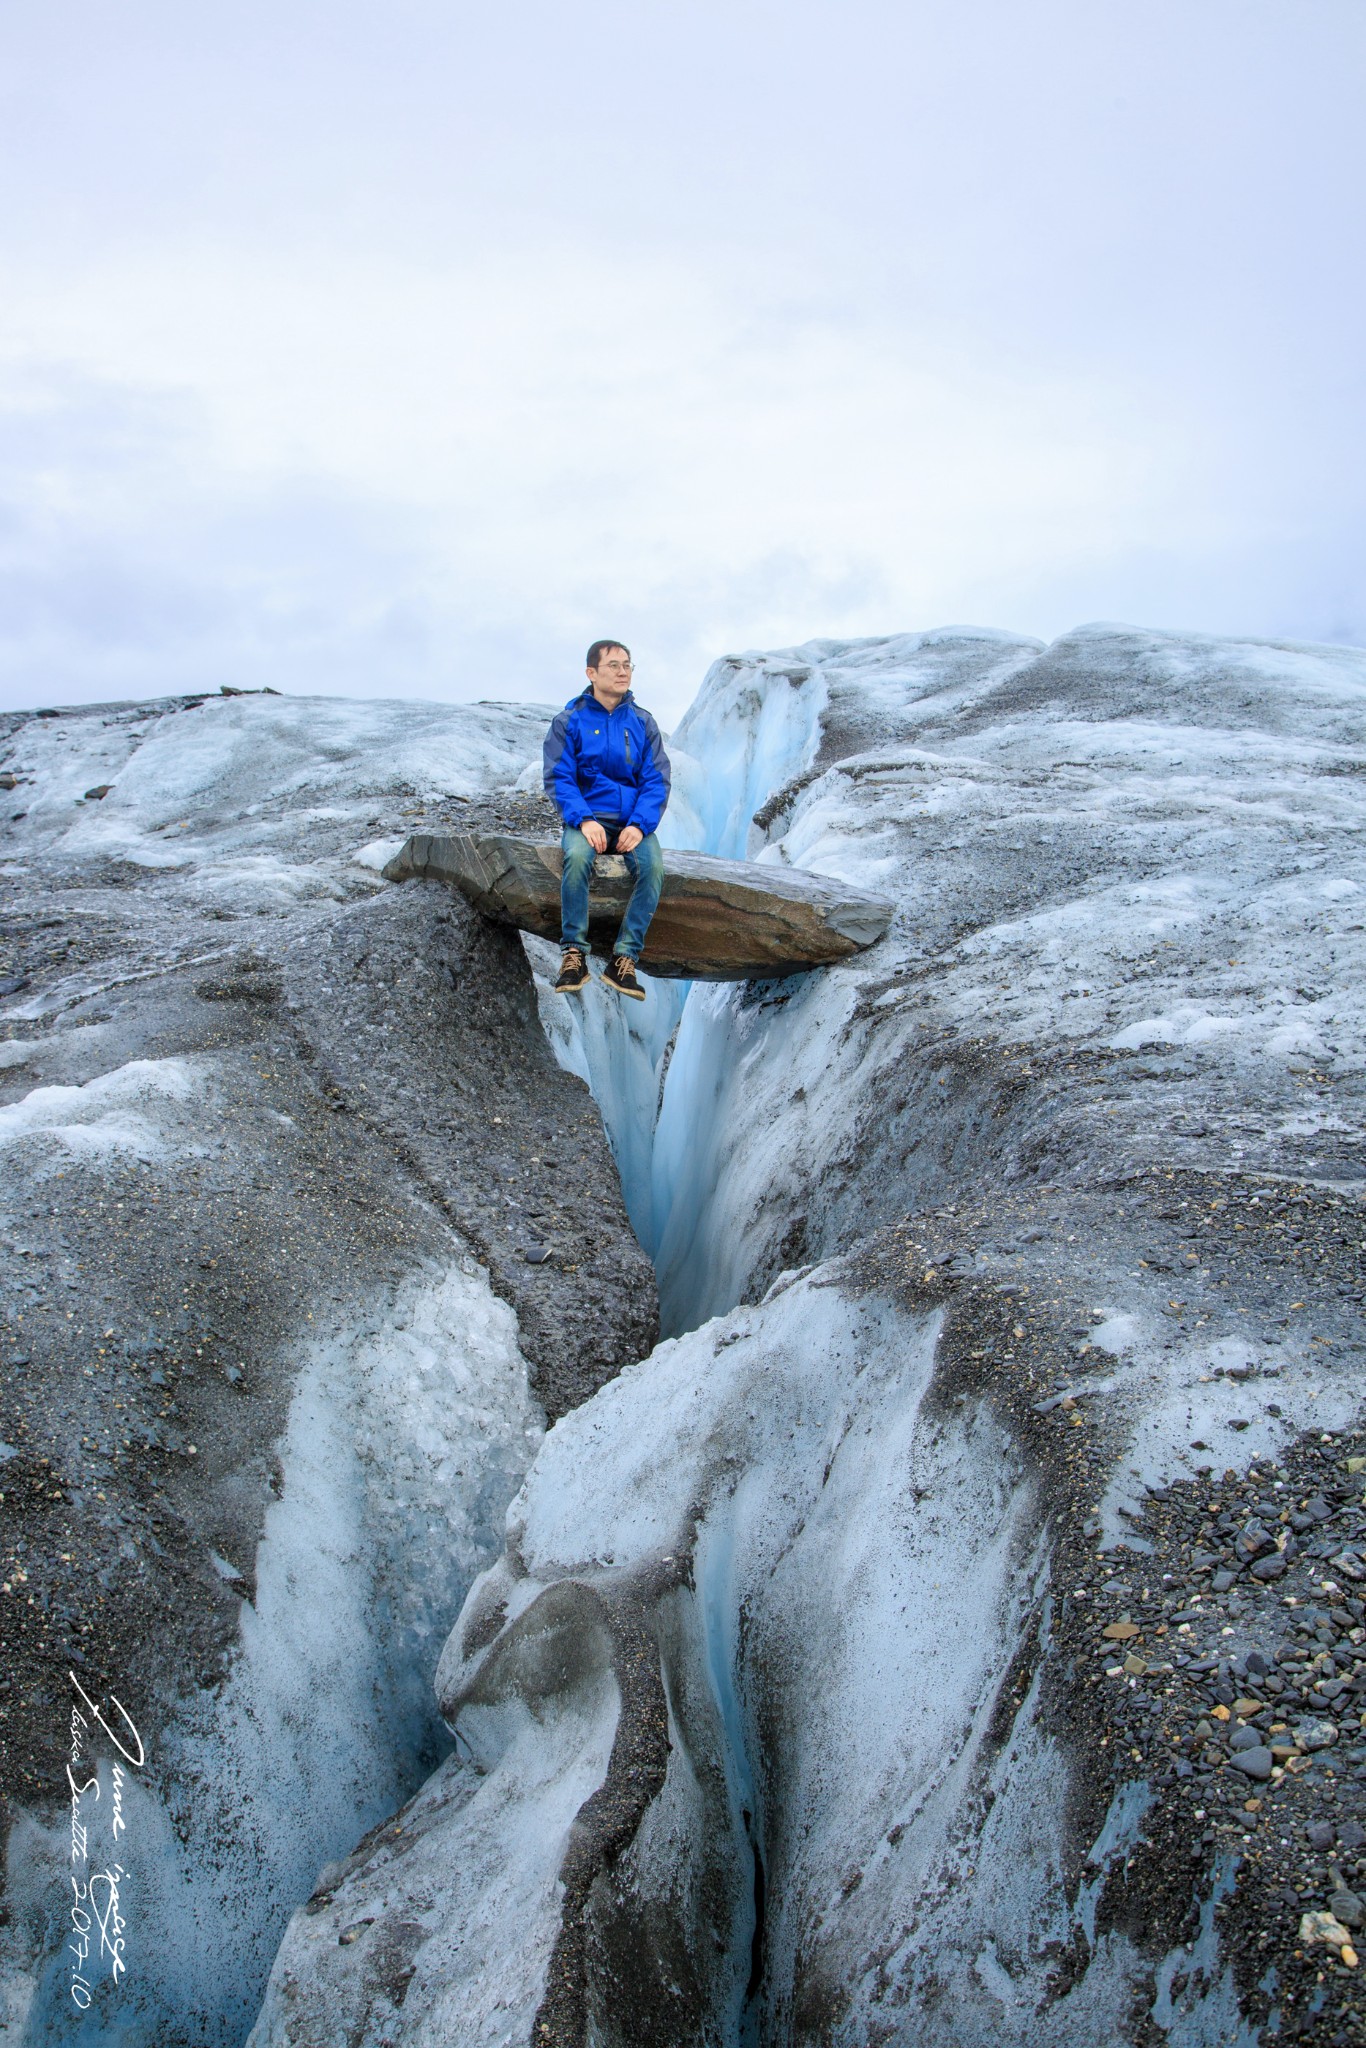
(611,679)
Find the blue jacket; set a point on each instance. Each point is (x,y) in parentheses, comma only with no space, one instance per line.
(606,764)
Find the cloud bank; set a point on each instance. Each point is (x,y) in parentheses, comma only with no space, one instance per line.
(401,353)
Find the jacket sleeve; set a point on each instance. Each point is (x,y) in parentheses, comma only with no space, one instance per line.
(655,778)
(558,771)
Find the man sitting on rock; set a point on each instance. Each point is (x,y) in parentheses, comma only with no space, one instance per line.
(607,773)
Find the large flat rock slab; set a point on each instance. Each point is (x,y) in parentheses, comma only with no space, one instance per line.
(718,920)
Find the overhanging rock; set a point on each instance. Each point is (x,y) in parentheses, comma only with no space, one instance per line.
(718,920)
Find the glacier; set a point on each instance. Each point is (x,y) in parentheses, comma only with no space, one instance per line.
(923,1367)
(274,1359)
(781,1707)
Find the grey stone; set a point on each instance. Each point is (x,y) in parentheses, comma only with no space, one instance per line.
(1254,1763)
(1267,1568)
(1316,1734)
(1319,1835)
(718,920)
(1347,1907)
(1252,1541)
(1244,1738)
(1223,1580)
(1352,1835)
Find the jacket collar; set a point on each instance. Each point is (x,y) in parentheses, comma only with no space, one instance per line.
(586,694)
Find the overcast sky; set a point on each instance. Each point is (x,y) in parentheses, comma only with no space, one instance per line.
(401,349)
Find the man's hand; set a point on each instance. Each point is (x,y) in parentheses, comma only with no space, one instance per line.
(594,834)
(628,839)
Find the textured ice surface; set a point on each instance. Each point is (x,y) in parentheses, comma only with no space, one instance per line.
(423,1924)
(831,1699)
(254,804)
(398,1389)
(1182,866)
(403,1442)
(222,766)
(1128,953)
(1127,961)
(125,1111)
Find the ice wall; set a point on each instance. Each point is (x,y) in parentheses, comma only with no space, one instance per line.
(761,723)
(1131,840)
(620,1050)
(404,1444)
(831,1714)
(753,729)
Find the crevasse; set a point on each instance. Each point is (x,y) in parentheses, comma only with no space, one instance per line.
(653,1069)
(653,1072)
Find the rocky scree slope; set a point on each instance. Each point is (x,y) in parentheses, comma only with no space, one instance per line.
(294,1268)
(962,1632)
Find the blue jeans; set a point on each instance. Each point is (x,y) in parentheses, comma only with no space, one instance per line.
(646,866)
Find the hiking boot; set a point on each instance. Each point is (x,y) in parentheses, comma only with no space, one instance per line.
(573,973)
(621,976)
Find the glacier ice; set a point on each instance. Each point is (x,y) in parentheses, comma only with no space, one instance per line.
(401,1451)
(1044,878)
(1126,961)
(323,1529)
(811,1542)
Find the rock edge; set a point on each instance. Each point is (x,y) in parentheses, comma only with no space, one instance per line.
(718,920)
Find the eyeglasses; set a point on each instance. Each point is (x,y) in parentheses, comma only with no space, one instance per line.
(624,668)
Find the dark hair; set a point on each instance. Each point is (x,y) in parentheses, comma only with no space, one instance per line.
(600,647)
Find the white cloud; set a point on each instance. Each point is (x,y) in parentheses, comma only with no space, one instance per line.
(351,478)
(405,357)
